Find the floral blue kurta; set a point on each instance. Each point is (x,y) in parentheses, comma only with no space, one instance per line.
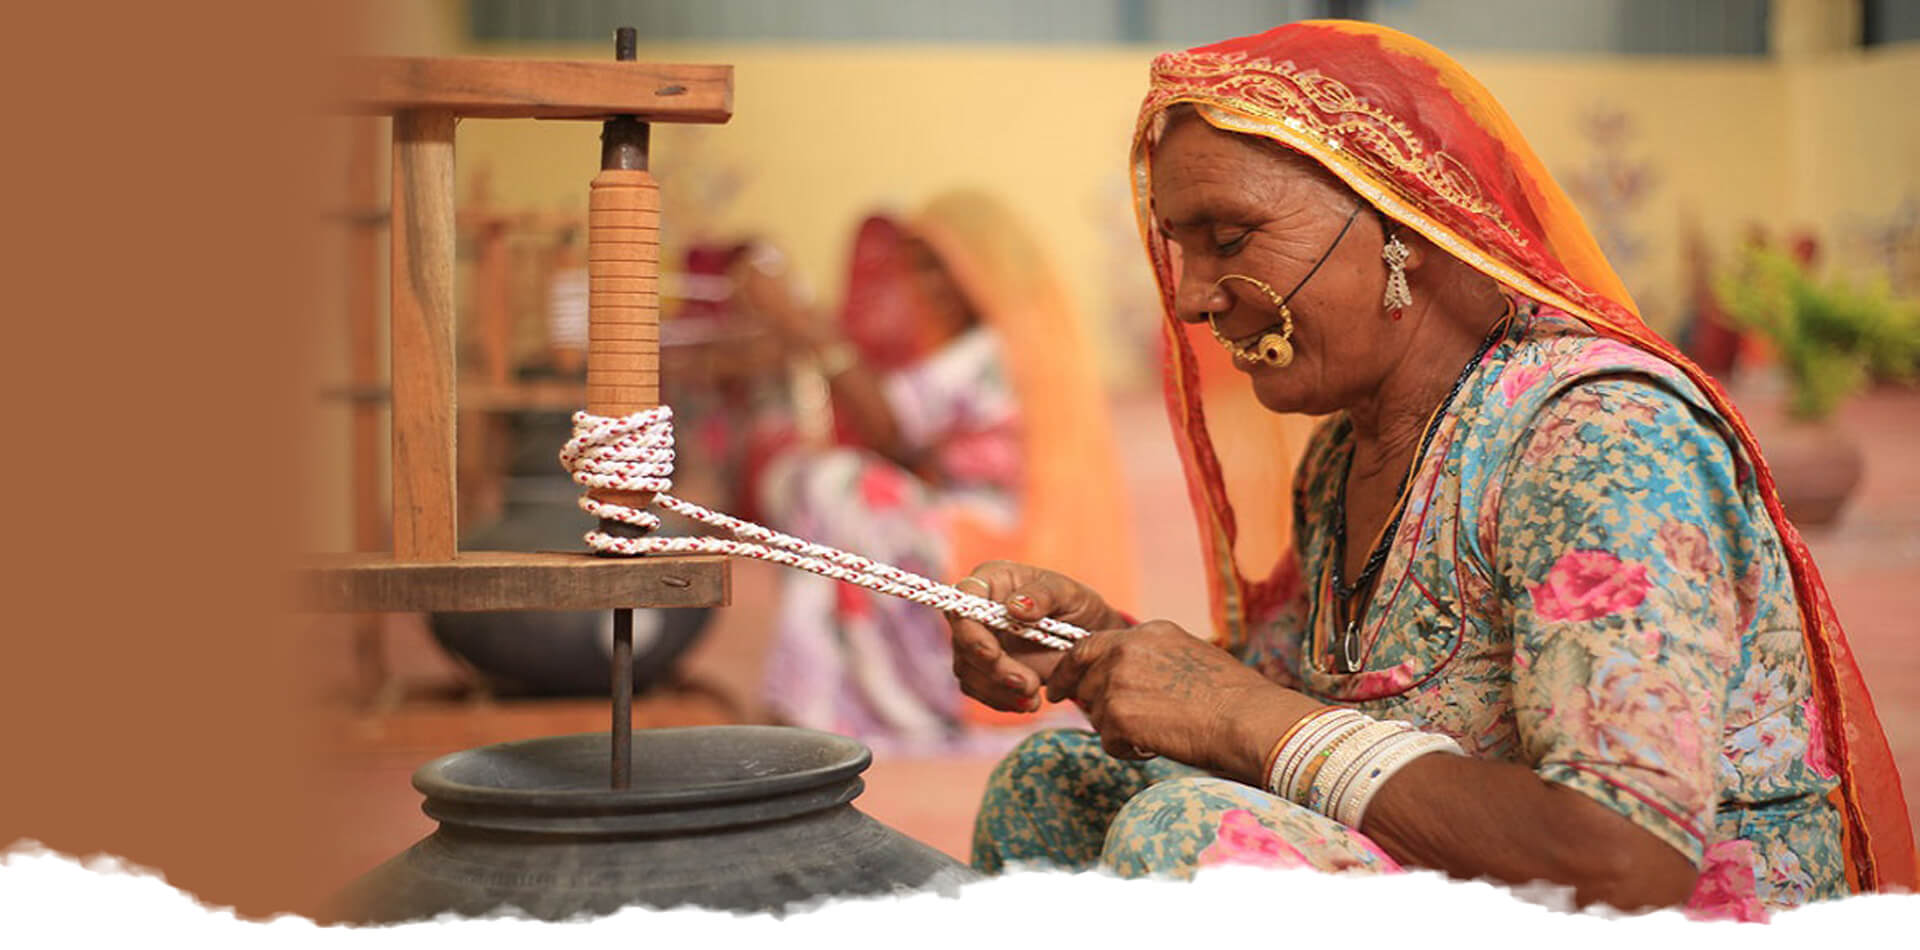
(1585,580)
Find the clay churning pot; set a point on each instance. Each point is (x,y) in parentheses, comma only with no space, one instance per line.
(739,818)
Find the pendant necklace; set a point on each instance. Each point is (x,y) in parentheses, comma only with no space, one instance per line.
(1344,593)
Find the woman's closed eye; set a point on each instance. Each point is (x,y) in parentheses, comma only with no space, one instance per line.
(1229,245)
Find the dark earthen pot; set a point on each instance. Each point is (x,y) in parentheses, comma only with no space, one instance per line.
(741,818)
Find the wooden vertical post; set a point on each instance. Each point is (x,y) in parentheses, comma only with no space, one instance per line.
(363,335)
(424,519)
(363,368)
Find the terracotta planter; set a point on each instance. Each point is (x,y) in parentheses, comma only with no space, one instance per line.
(1816,467)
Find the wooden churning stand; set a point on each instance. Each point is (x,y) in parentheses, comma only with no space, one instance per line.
(425,570)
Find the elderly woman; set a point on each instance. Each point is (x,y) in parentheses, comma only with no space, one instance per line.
(953,326)
(1540,619)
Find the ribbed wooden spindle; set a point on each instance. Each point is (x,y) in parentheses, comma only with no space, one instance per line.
(623,300)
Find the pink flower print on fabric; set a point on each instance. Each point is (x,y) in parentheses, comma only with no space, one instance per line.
(1749,594)
(991,456)
(1687,546)
(1377,683)
(1759,690)
(1551,438)
(1607,354)
(1727,889)
(1816,757)
(1646,643)
(1515,382)
(1621,705)
(1242,839)
(853,602)
(882,488)
(1588,585)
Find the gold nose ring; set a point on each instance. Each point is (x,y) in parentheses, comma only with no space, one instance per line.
(1273,349)
(1276,349)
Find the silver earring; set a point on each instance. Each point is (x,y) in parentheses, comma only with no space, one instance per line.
(1399,296)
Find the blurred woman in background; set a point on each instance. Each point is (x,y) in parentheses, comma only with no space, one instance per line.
(953,326)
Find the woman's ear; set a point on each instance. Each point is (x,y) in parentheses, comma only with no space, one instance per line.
(1418,247)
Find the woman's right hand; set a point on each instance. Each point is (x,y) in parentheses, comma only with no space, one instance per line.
(1005,671)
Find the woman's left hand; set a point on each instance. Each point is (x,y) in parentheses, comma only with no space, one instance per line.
(1155,689)
(768,289)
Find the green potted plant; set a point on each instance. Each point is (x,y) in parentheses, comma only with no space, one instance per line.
(1830,338)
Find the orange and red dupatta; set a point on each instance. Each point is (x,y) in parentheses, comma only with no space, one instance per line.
(1417,136)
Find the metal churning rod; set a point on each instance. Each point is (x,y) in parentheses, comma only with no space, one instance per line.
(623,341)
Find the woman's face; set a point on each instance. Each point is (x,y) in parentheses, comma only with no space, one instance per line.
(944,307)
(1229,205)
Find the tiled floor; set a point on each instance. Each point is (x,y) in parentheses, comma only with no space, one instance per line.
(1871,561)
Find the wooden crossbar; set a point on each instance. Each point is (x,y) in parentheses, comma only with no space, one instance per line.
(535,89)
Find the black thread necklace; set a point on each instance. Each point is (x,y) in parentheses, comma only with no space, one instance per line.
(1345,592)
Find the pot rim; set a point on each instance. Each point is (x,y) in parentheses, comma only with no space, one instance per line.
(434,779)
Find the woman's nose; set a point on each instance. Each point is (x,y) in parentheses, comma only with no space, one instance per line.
(1195,300)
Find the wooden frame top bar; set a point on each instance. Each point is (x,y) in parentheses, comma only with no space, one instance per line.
(536,89)
(511,580)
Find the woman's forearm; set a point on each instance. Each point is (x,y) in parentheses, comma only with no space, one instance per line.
(856,390)
(1475,818)
(1255,720)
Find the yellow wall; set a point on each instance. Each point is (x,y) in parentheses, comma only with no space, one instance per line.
(1855,147)
(823,135)
(1706,131)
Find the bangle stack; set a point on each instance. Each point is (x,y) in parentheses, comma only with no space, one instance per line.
(1335,760)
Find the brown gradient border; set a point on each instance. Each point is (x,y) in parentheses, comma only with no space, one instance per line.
(165,171)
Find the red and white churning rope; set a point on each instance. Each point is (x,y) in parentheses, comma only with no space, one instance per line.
(635,454)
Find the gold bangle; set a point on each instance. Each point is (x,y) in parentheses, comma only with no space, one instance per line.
(1273,754)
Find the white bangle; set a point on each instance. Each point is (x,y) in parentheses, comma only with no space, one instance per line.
(1301,744)
(1334,779)
(1304,743)
(1320,796)
(1298,741)
(1318,747)
(1353,805)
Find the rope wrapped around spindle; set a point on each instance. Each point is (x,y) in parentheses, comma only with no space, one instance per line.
(634,453)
